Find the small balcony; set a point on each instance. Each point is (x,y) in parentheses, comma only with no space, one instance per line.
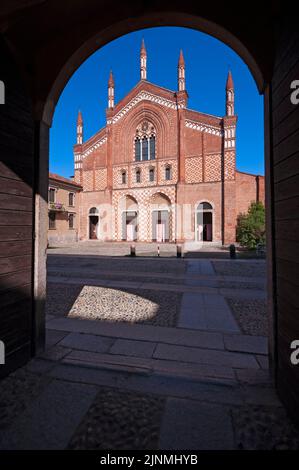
(56,207)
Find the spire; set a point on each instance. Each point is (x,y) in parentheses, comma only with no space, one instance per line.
(111,91)
(181,59)
(79,128)
(229,81)
(143,58)
(111,80)
(79,118)
(181,73)
(230,95)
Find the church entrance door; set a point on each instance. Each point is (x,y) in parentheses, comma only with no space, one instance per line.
(93,225)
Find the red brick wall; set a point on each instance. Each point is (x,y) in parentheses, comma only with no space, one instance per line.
(247,190)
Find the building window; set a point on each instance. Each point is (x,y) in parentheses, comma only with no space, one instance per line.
(152,174)
(168,173)
(145,142)
(51,194)
(152,147)
(144,149)
(71,221)
(52,220)
(137,149)
(71,199)
(123,177)
(138,176)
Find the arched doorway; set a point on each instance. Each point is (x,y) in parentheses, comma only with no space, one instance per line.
(204,222)
(161,218)
(93,223)
(130,220)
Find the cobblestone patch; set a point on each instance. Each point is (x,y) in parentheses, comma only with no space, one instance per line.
(117,277)
(61,297)
(129,265)
(264,428)
(241,285)
(160,308)
(251,315)
(17,391)
(120,420)
(236,268)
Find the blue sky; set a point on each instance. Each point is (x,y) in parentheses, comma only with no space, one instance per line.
(207,63)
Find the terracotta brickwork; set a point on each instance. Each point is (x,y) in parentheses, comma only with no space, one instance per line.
(152,147)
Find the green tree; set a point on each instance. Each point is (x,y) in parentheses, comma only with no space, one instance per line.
(251,226)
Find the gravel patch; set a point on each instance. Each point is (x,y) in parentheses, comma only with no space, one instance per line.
(251,315)
(264,428)
(17,391)
(160,308)
(120,420)
(244,268)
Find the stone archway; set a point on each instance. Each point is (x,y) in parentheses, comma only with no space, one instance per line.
(45,68)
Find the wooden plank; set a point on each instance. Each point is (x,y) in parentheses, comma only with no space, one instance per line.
(288,250)
(15,218)
(286,148)
(15,248)
(15,233)
(288,271)
(10,297)
(287,209)
(283,90)
(287,127)
(14,280)
(286,168)
(287,231)
(287,189)
(19,203)
(15,187)
(287,290)
(14,263)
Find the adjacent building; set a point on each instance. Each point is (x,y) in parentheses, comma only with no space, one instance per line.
(63,210)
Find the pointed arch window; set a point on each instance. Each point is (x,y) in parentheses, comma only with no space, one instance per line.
(124,177)
(145,142)
(152,141)
(144,148)
(137,149)
(138,176)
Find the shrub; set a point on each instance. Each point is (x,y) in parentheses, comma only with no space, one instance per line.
(251,226)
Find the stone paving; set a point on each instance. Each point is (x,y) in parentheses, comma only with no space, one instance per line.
(195,383)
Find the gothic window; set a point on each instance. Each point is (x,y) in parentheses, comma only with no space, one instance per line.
(145,142)
(123,177)
(138,176)
(137,149)
(152,147)
(144,148)
(168,173)
(152,174)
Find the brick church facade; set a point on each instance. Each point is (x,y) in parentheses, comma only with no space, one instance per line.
(159,171)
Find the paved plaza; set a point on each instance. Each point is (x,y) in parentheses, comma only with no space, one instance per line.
(148,352)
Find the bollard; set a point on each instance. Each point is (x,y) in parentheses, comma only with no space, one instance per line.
(178,251)
(158,250)
(232,251)
(132,250)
